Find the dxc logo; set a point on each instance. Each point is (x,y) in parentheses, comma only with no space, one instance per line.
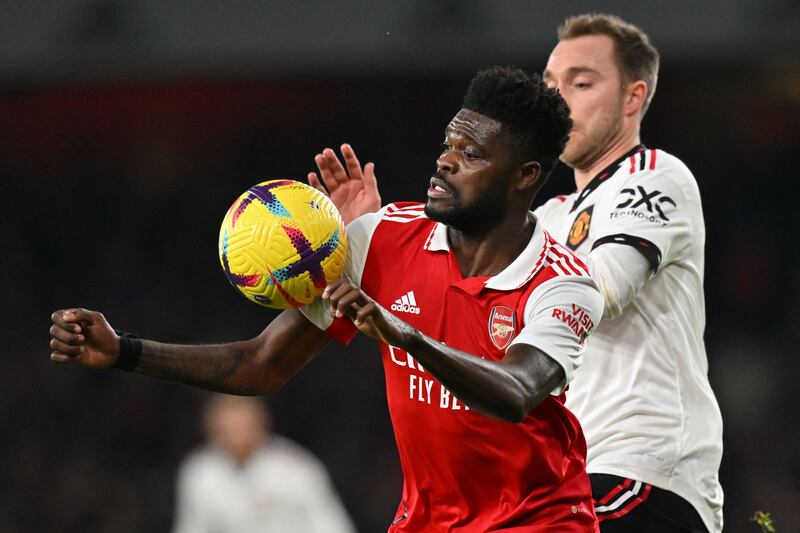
(652,201)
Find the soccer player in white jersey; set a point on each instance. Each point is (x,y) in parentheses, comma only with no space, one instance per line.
(652,423)
(481,319)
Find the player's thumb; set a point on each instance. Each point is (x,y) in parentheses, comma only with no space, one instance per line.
(79,315)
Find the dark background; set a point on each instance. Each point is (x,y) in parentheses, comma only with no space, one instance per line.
(129,128)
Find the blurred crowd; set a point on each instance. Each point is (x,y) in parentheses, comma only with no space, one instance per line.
(112,195)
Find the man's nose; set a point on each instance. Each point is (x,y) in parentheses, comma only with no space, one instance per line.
(447,162)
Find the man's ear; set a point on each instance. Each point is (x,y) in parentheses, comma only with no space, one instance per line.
(530,172)
(635,96)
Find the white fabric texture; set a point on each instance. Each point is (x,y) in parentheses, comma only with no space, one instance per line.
(620,272)
(281,488)
(643,395)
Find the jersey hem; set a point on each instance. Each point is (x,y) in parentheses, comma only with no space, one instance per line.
(685,491)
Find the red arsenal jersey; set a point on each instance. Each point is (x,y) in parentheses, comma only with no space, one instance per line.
(465,471)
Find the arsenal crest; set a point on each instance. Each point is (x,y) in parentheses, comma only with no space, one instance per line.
(502,325)
(580,228)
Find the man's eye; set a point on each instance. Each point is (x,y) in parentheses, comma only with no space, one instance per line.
(471,155)
(582,85)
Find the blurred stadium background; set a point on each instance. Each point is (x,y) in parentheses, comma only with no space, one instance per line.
(128,127)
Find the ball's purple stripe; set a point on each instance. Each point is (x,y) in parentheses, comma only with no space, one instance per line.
(270,201)
(310,260)
(262,194)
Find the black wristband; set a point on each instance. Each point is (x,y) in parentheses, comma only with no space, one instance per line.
(130,350)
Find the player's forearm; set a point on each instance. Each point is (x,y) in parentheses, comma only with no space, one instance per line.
(258,366)
(229,368)
(505,390)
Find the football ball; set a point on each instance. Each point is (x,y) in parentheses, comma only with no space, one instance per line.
(281,243)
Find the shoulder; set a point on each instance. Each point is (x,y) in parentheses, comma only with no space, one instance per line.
(202,467)
(396,222)
(556,202)
(560,271)
(558,261)
(653,164)
(654,177)
(294,458)
(397,212)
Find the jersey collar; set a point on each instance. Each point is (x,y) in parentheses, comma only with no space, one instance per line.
(603,175)
(515,275)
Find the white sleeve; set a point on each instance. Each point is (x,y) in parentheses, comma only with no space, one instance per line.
(655,211)
(620,272)
(359,236)
(559,315)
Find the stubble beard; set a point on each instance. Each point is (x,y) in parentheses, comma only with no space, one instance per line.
(483,214)
(583,151)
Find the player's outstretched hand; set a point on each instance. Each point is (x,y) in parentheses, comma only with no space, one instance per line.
(354,191)
(368,316)
(84,338)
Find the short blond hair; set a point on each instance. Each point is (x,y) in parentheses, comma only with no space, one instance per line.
(637,58)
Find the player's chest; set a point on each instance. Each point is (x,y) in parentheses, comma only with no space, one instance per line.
(428,293)
(575,226)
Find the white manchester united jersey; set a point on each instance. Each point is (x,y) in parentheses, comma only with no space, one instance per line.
(642,394)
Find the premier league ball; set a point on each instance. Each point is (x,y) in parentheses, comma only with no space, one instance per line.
(281,243)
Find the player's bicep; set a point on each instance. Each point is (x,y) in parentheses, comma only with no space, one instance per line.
(620,272)
(286,345)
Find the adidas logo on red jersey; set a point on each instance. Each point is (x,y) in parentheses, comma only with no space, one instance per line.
(406,304)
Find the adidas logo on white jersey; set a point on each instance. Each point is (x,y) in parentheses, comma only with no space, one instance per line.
(406,304)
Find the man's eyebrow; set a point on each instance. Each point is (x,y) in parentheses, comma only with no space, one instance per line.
(582,70)
(572,71)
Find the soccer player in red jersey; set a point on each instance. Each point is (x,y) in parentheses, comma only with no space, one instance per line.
(652,423)
(480,315)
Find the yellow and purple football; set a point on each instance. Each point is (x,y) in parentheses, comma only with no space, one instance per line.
(281,243)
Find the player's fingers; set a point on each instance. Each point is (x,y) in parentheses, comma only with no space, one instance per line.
(349,303)
(332,286)
(62,347)
(371,184)
(79,315)
(350,159)
(322,164)
(325,172)
(315,182)
(58,319)
(58,357)
(338,292)
(364,313)
(335,167)
(67,337)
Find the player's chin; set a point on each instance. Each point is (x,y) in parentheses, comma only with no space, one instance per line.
(439,209)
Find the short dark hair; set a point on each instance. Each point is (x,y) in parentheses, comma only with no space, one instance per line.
(636,56)
(535,117)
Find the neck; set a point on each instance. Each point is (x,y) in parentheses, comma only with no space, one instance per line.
(616,149)
(489,252)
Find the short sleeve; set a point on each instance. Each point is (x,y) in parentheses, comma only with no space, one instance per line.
(359,236)
(559,315)
(655,211)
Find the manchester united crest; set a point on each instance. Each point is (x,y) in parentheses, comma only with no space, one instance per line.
(580,228)
(502,325)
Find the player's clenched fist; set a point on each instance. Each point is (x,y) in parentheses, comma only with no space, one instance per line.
(83,337)
(370,318)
